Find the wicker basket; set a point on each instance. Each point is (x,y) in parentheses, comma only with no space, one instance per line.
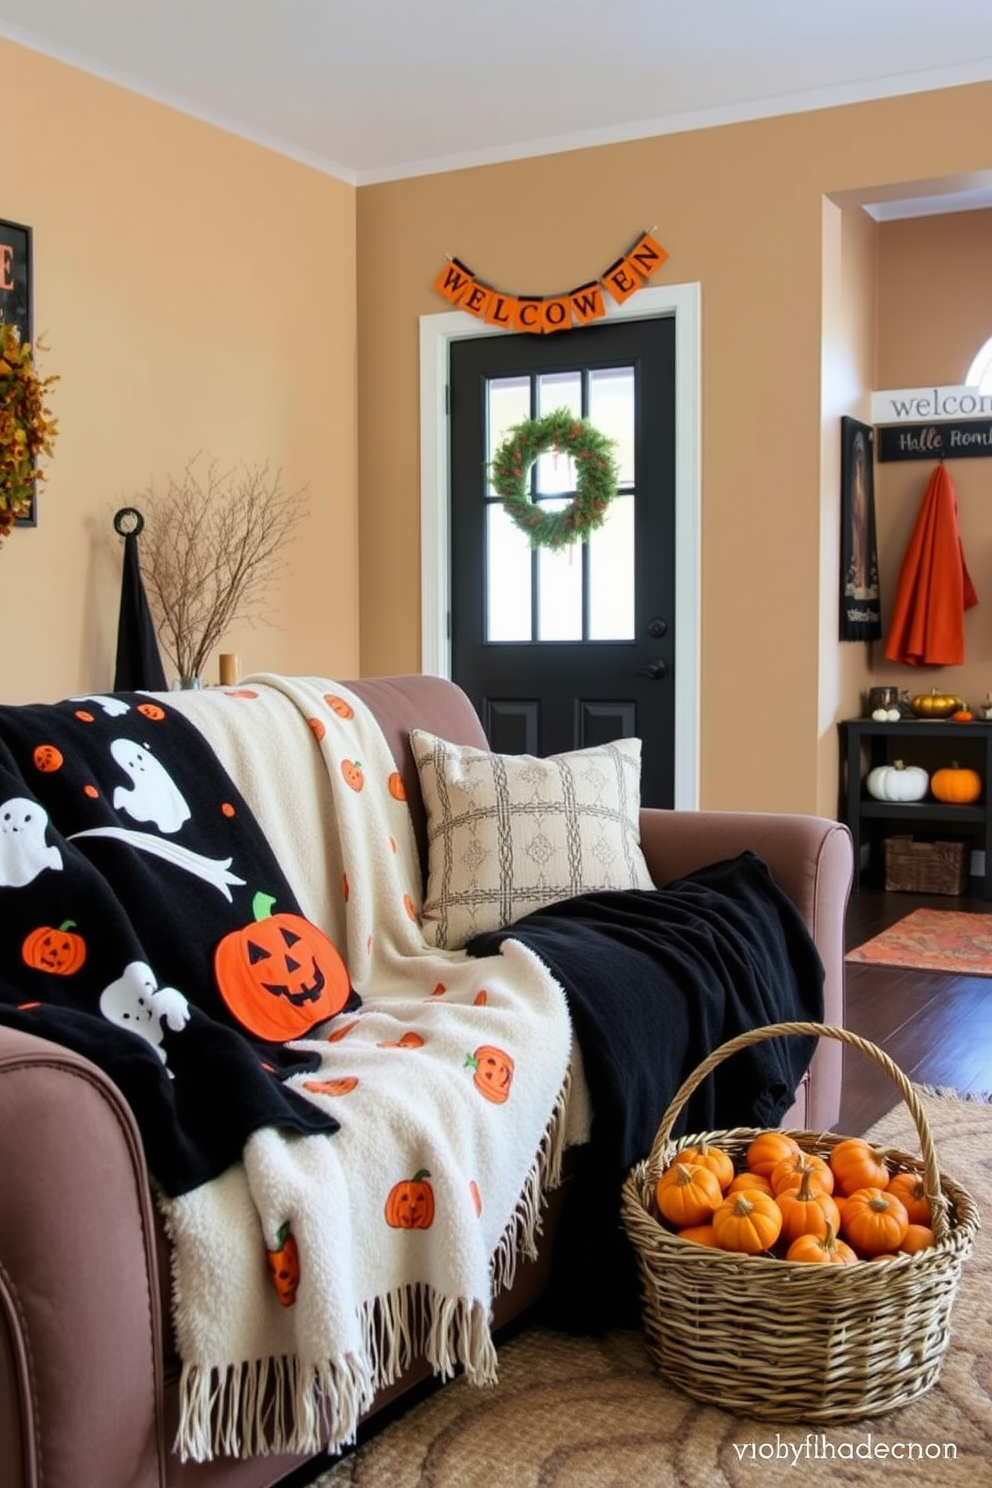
(913,867)
(785,1340)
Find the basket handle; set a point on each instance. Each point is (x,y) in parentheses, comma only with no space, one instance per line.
(938,1202)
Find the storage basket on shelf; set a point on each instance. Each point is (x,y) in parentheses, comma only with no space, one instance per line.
(786,1340)
(921,867)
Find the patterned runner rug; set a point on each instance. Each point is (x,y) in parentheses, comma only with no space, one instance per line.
(592,1413)
(933,940)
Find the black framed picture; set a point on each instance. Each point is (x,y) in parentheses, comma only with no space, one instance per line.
(15,297)
(860,605)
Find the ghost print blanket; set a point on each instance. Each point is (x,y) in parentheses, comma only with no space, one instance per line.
(307,1273)
(128,864)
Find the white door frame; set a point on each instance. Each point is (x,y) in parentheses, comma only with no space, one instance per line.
(682,301)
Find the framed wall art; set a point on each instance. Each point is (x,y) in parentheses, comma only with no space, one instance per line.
(15,299)
(860,605)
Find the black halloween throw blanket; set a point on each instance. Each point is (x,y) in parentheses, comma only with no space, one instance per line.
(655,980)
(145,923)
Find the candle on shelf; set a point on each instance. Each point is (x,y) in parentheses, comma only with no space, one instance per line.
(229,668)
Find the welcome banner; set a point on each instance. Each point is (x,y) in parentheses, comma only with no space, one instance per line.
(542,314)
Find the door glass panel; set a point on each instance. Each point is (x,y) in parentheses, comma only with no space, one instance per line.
(555,472)
(559,578)
(509,403)
(611,574)
(508,578)
(611,411)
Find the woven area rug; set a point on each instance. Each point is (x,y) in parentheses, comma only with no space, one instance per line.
(592,1413)
(933,940)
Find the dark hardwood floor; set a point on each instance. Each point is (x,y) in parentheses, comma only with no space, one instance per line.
(935,1025)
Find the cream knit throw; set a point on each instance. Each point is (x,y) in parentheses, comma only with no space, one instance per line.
(449,1083)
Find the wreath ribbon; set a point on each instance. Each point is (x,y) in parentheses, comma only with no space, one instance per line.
(595,485)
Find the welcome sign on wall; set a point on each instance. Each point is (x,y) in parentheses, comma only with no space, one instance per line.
(542,314)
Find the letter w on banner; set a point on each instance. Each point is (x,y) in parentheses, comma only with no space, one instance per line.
(548,313)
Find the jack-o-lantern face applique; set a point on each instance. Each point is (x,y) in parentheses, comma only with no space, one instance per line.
(280,975)
(58,951)
(47,758)
(492,1072)
(410,1203)
(284,1266)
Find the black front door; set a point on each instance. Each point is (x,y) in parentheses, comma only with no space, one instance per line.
(563,650)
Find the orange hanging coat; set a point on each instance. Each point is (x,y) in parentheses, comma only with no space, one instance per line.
(934,588)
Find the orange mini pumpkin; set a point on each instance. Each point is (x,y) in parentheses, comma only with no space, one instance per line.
(807,1210)
(855,1164)
(492,1072)
(748,1221)
(955,785)
(822,1249)
(714,1158)
(791,1172)
(912,1191)
(769,1148)
(688,1194)
(874,1220)
(284,1265)
(58,951)
(280,974)
(410,1203)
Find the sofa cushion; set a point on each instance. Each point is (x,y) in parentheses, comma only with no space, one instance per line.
(508,834)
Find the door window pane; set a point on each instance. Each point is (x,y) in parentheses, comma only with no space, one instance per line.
(508,401)
(611,574)
(559,579)
(611,411)
(508,578)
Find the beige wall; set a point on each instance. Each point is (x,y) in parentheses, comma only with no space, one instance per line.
(934,314)
(196,293)
(741,212)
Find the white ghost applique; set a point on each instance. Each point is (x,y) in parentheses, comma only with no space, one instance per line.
(24,852)
(136,1003)
(153,794)
(114,707)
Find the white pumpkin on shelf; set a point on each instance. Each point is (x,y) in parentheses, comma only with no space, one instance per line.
(898,782)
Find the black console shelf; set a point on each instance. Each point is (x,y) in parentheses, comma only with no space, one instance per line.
(866,744)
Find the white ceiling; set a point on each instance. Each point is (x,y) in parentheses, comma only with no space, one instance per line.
(374,90)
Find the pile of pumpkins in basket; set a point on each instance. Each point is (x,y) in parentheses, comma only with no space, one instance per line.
(787,1203)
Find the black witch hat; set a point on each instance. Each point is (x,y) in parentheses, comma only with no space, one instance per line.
(139,665)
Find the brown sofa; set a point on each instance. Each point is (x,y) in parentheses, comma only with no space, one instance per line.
(88,1380)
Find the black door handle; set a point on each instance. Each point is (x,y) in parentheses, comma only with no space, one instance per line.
(654,670)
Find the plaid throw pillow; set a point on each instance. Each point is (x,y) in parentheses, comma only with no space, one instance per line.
(508,834)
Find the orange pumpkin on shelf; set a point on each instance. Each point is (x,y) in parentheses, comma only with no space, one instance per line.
(956,785)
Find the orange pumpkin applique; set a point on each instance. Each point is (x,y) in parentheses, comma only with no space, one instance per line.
(84,716)
(317,728)
(492,1072)
(152,711)
(339,705)
(344,1085)
(476,1196)
(410,1203)
(409,1040)
(337,1034)
(353,775)
(58,951)
(47,758)
(396,787)
(410,907)
(280,974)
(284,1265)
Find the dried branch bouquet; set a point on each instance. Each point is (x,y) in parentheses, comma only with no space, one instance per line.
(209,548)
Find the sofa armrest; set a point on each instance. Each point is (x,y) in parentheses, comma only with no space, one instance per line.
(80,1323)
(812,859)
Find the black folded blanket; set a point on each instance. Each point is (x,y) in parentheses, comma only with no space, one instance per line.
(656,979)
(145,923)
